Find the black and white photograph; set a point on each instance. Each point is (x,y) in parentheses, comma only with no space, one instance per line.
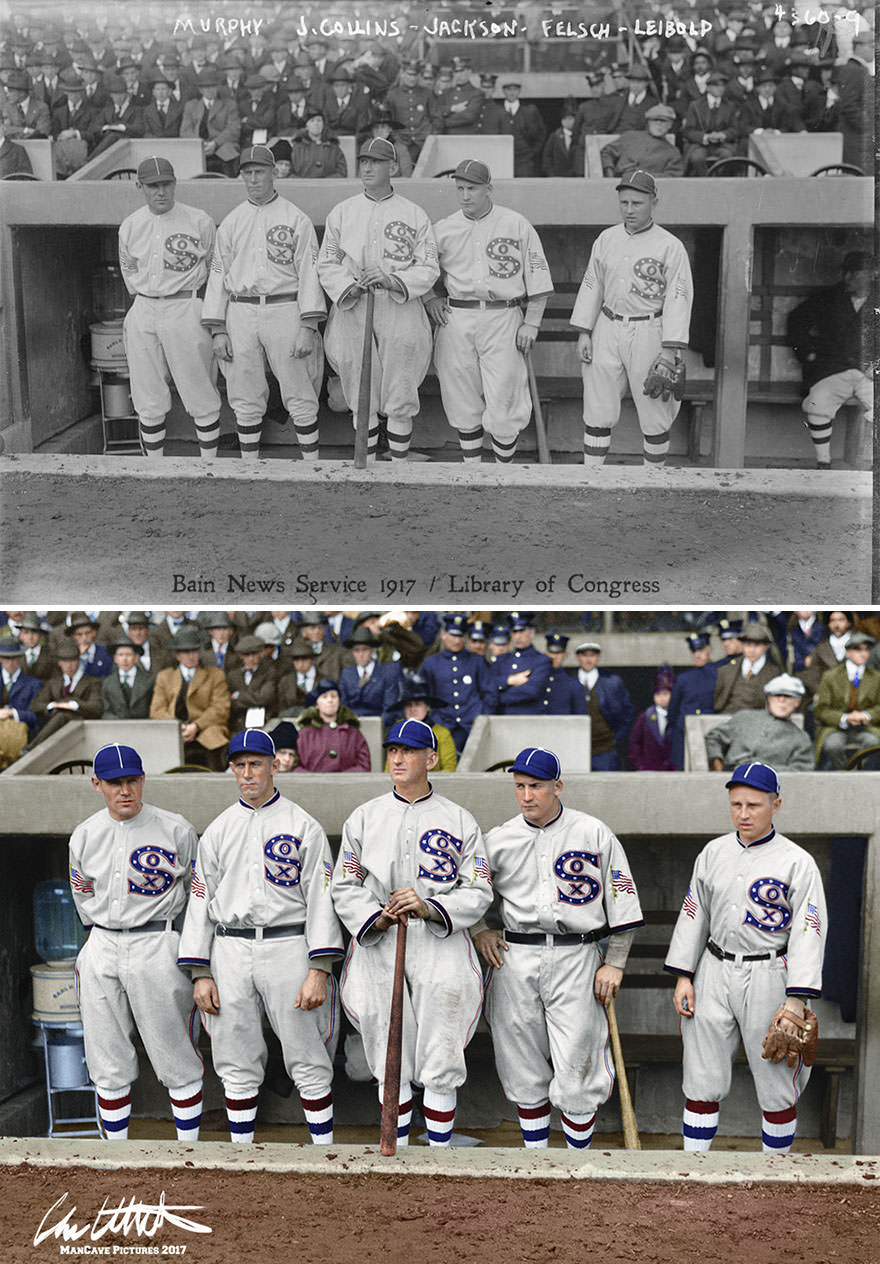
(441,303)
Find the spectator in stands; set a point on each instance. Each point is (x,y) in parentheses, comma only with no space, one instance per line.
(416,703)
(797,92)
(17,692)
(198,698)
(368,687)
(329,738)
(374,70)
(672,68)
(315,153)
(296,684)
(293,109)
(214,117)
(329,657)
(37,660)
(460,105)
(317,50)
(348,107)
(93,656)
(164,115)
(761,110)
(593,115)
(414,105)
(608,705)
(765,737)
(13,157)
(92,76)
(848,705)
(45,83)
(121,118)
(281,153)
(257,112)
(71,125)
(648,149)
(832,335)
(25,116)
(710,127)
(693,87)
(829,652)
(742,72)
(285,738)
(127,692)
(740,683)
(153,655)
(650,742)
(219,648)
(385,125)
(806,632)
(693,692)
(776,51)
(635,102)
(138,90)
(68,694)
(232,82)
(559,156)
(518,679)
(522,120)
(253,686)
(823,109)
(460,678)
(564,694)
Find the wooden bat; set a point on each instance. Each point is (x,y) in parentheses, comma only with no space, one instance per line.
(544,457)
(630,1127)
(362,416)
(391,1093)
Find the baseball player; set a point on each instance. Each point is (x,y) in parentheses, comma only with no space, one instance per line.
(382,242)
(412,854)
(749,938)
(263,304)
(260,936)
(563,882)
(130,867)
(497,283)
(164,254)
(633,309)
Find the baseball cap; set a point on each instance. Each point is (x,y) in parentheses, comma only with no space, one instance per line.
(413,733)
(257,156)
(255,741)
(473,171)
(538,762)
(113,762)
(790,686)
(640,180)
(155,171)
(756,776)
(378,148)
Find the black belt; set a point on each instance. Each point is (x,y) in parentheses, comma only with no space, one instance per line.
(264,298)
(260,932)
(179,294)
(606,311)
(486,302)
(523,937)
(741,956)
(161,923)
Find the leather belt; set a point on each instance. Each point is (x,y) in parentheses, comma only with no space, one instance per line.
(264,299)
(523,937)
(260,932)
(485,302)
(158,298)
(159,924)
(741,956)
(606,311)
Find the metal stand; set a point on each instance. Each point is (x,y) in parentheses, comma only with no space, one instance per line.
(126,442)
(53,1089)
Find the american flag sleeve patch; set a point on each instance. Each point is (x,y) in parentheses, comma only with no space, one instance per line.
(199,889)
(812,918)
(328,873)
(621,881)
(481,869)
(351,864)
(689,905)
(81,883)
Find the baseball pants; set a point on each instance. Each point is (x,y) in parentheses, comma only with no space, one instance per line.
(256,976)
(442,998)
(401,353)
(164,338)
(732,1000)
(549,1032)
(484,381)
(127,979)
(827,397)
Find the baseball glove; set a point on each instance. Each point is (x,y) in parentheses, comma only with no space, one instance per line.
(781,1046)
(666,378)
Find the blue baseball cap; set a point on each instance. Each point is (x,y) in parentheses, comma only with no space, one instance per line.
(538,762)
(757,776)
(113,762)
(413,733)
(255,741)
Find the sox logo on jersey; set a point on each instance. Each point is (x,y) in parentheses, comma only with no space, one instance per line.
(436,843)
(282,851)
(571,868)
(768,893)
(148,861)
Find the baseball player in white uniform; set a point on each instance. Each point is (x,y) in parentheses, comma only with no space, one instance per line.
(263,304)
(379,241)
(633,306)
(260,937)
(164,254)
(130,866)
(563,883)
(497,283)
(413,854)
(750,936)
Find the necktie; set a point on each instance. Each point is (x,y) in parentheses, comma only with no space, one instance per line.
(857,676)
(126,687)
(248,677)
(66,690)
(366,672)
(749,673)
(181,711)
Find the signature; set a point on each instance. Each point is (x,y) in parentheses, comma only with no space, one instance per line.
(142,1219)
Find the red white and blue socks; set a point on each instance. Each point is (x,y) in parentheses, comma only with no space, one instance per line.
(439,1112)
(700,1124)
(404,1112)
(534,1124)
(777,1130)
(319,1116)
(114,1105)
(186,1107)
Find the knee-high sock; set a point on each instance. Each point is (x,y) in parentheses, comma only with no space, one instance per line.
(307,437)
(404,1112)
(186,1106)
(777,1130)
(820,432)
(114,1105)
(208,435)
(597,441)
(319,1116)
(700,1124)
(534,1124)
(153,435)
(439,1111)
(655,448)
(503,451)
(249,438)
(578,1130)
(399,435)
(242,1114)
(471,443)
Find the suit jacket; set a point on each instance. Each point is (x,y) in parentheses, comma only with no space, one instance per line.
(87,693)
(701,119)
(207,702)
(35,116)
(131,120)
(155,126)
(731,673)
(13,158)
(101,663)
(378,696)
(224,125)
(648,752)
(832,701)
(255,115)
(52,96)
(556,160)
(528,132)
(63,118)
(261,692)
(42,667)
(117,706)
(230,659)
(20,696)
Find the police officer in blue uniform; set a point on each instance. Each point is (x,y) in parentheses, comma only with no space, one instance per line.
(609,707)
(519,678)
(460,678)
(730,631)
(694,690)
(477,635)
(564,695)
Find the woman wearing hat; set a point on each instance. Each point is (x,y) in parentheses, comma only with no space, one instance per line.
(329,737)
(315,152)
(384,124)
(416,703)
(650,742)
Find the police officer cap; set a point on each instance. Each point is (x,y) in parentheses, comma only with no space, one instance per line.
(253,741)
(488,81)
(585,646)
(413,733)
(641,181)
(756,776)
(556,641)
(537,762)
(461,63)
(697,640)
(729,628)
(379,149)
(660,111)
(10,648)
(155,171)
(519,619)
(473,172)
(478,630)
(790,686)
(113,762)
(257,156)
(456,624)
(500,634)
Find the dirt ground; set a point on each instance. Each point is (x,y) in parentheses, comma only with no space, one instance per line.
(262,1218)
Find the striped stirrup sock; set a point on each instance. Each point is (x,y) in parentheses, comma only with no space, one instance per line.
(114,1105)
(186,1106)
(700,1124)
(242,1114)
(534,1124)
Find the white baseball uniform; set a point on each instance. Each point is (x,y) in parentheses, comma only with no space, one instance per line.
(125,875)
(265,868)
(263,283)
(764,900)
(433,846)
(495,264)
(645,278)
(164,260)
(396,235)
(569,877)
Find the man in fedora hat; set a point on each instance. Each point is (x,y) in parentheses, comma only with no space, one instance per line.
(298,675)
(121,117)
(847,705)
(164,115)
(198,698)
(68,694)
(740,683)
(94,657)
(253,685)
(214,117)
(18,723)
(38,660)
(368,687)
(25,115)
(126,693)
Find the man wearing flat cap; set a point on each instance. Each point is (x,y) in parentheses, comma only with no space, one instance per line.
(126,693)
(253,685)
(740,683)
(767,737)
(214,117)
(646,148)
(26,116)
(198,697)
(847,705)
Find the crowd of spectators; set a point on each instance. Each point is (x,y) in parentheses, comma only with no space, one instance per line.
(796,689)
(676,102)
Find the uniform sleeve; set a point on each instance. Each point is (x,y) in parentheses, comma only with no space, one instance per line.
(538,282)
(679,297)
(323,932)
(311,296)
(471,896)
(531,691)
(622,907)
(422,271)
(127,261)
(335,269)
(356,905)
(806,940)
(216,296)
(588,302)
(691,930)
(197,935)
(82,885)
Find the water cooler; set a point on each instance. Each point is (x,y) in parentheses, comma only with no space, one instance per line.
(58,935)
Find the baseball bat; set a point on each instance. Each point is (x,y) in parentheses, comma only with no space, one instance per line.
(362,417)
(628,1114)
(540,429)
(391,1093)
